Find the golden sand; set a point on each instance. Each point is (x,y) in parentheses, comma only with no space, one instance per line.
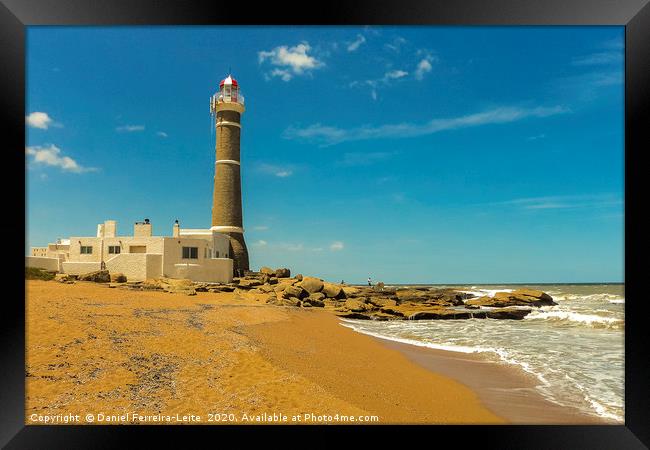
(92,349)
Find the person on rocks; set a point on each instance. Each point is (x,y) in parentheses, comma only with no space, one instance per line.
(369,282)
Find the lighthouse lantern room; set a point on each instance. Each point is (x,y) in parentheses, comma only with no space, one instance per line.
(228,93)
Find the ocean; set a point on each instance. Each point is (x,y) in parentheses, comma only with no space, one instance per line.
(575,349)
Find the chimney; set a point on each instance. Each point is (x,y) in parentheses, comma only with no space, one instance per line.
(142,229)
(176,229)
(100,230)
(110,228)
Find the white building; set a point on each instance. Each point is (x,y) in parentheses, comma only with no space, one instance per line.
(197,254)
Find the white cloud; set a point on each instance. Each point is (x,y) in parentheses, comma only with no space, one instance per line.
(260,243)
(354,46)
(260,228)
(129,128)
(395,74)
(565,202)
(336,246)
(162,134)
(424,66)
(38,119)
(327,135)
(290,61)
(51,156)
(275,170)
(284,75)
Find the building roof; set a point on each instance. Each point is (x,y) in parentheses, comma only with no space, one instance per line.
(228,80)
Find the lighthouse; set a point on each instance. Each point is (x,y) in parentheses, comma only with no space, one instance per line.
(227,107)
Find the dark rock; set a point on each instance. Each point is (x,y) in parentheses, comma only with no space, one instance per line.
(355,315)
(440,314)
(282,273)
(118,277)
(513,314)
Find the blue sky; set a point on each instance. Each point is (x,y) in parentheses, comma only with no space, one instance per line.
(408,154)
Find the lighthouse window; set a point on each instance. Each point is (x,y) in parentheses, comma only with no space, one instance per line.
(190,253)
(86,249)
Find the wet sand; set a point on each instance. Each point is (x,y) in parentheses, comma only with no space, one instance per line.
(92,349)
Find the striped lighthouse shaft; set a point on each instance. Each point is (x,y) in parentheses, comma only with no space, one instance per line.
(226,203)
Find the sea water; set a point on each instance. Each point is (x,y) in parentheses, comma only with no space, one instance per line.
(574,349)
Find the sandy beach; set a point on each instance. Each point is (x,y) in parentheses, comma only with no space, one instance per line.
(132,356)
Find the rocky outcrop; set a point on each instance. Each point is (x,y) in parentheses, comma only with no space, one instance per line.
(99,276)
(363,302)
(520,297)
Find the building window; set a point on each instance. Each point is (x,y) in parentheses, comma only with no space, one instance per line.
(113,249)
(86,249)
(217,254)
(190,253)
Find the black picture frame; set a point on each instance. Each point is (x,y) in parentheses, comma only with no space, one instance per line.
(15,15)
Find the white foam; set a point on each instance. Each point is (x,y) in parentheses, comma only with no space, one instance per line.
(486,292)
(617,301)
(450,348)
(571,316)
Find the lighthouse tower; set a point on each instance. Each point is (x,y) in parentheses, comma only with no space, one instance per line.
(226,107)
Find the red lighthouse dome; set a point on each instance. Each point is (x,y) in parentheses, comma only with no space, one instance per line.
(228,80)
(228,94)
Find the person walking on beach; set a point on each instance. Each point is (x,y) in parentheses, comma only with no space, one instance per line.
(369,282)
